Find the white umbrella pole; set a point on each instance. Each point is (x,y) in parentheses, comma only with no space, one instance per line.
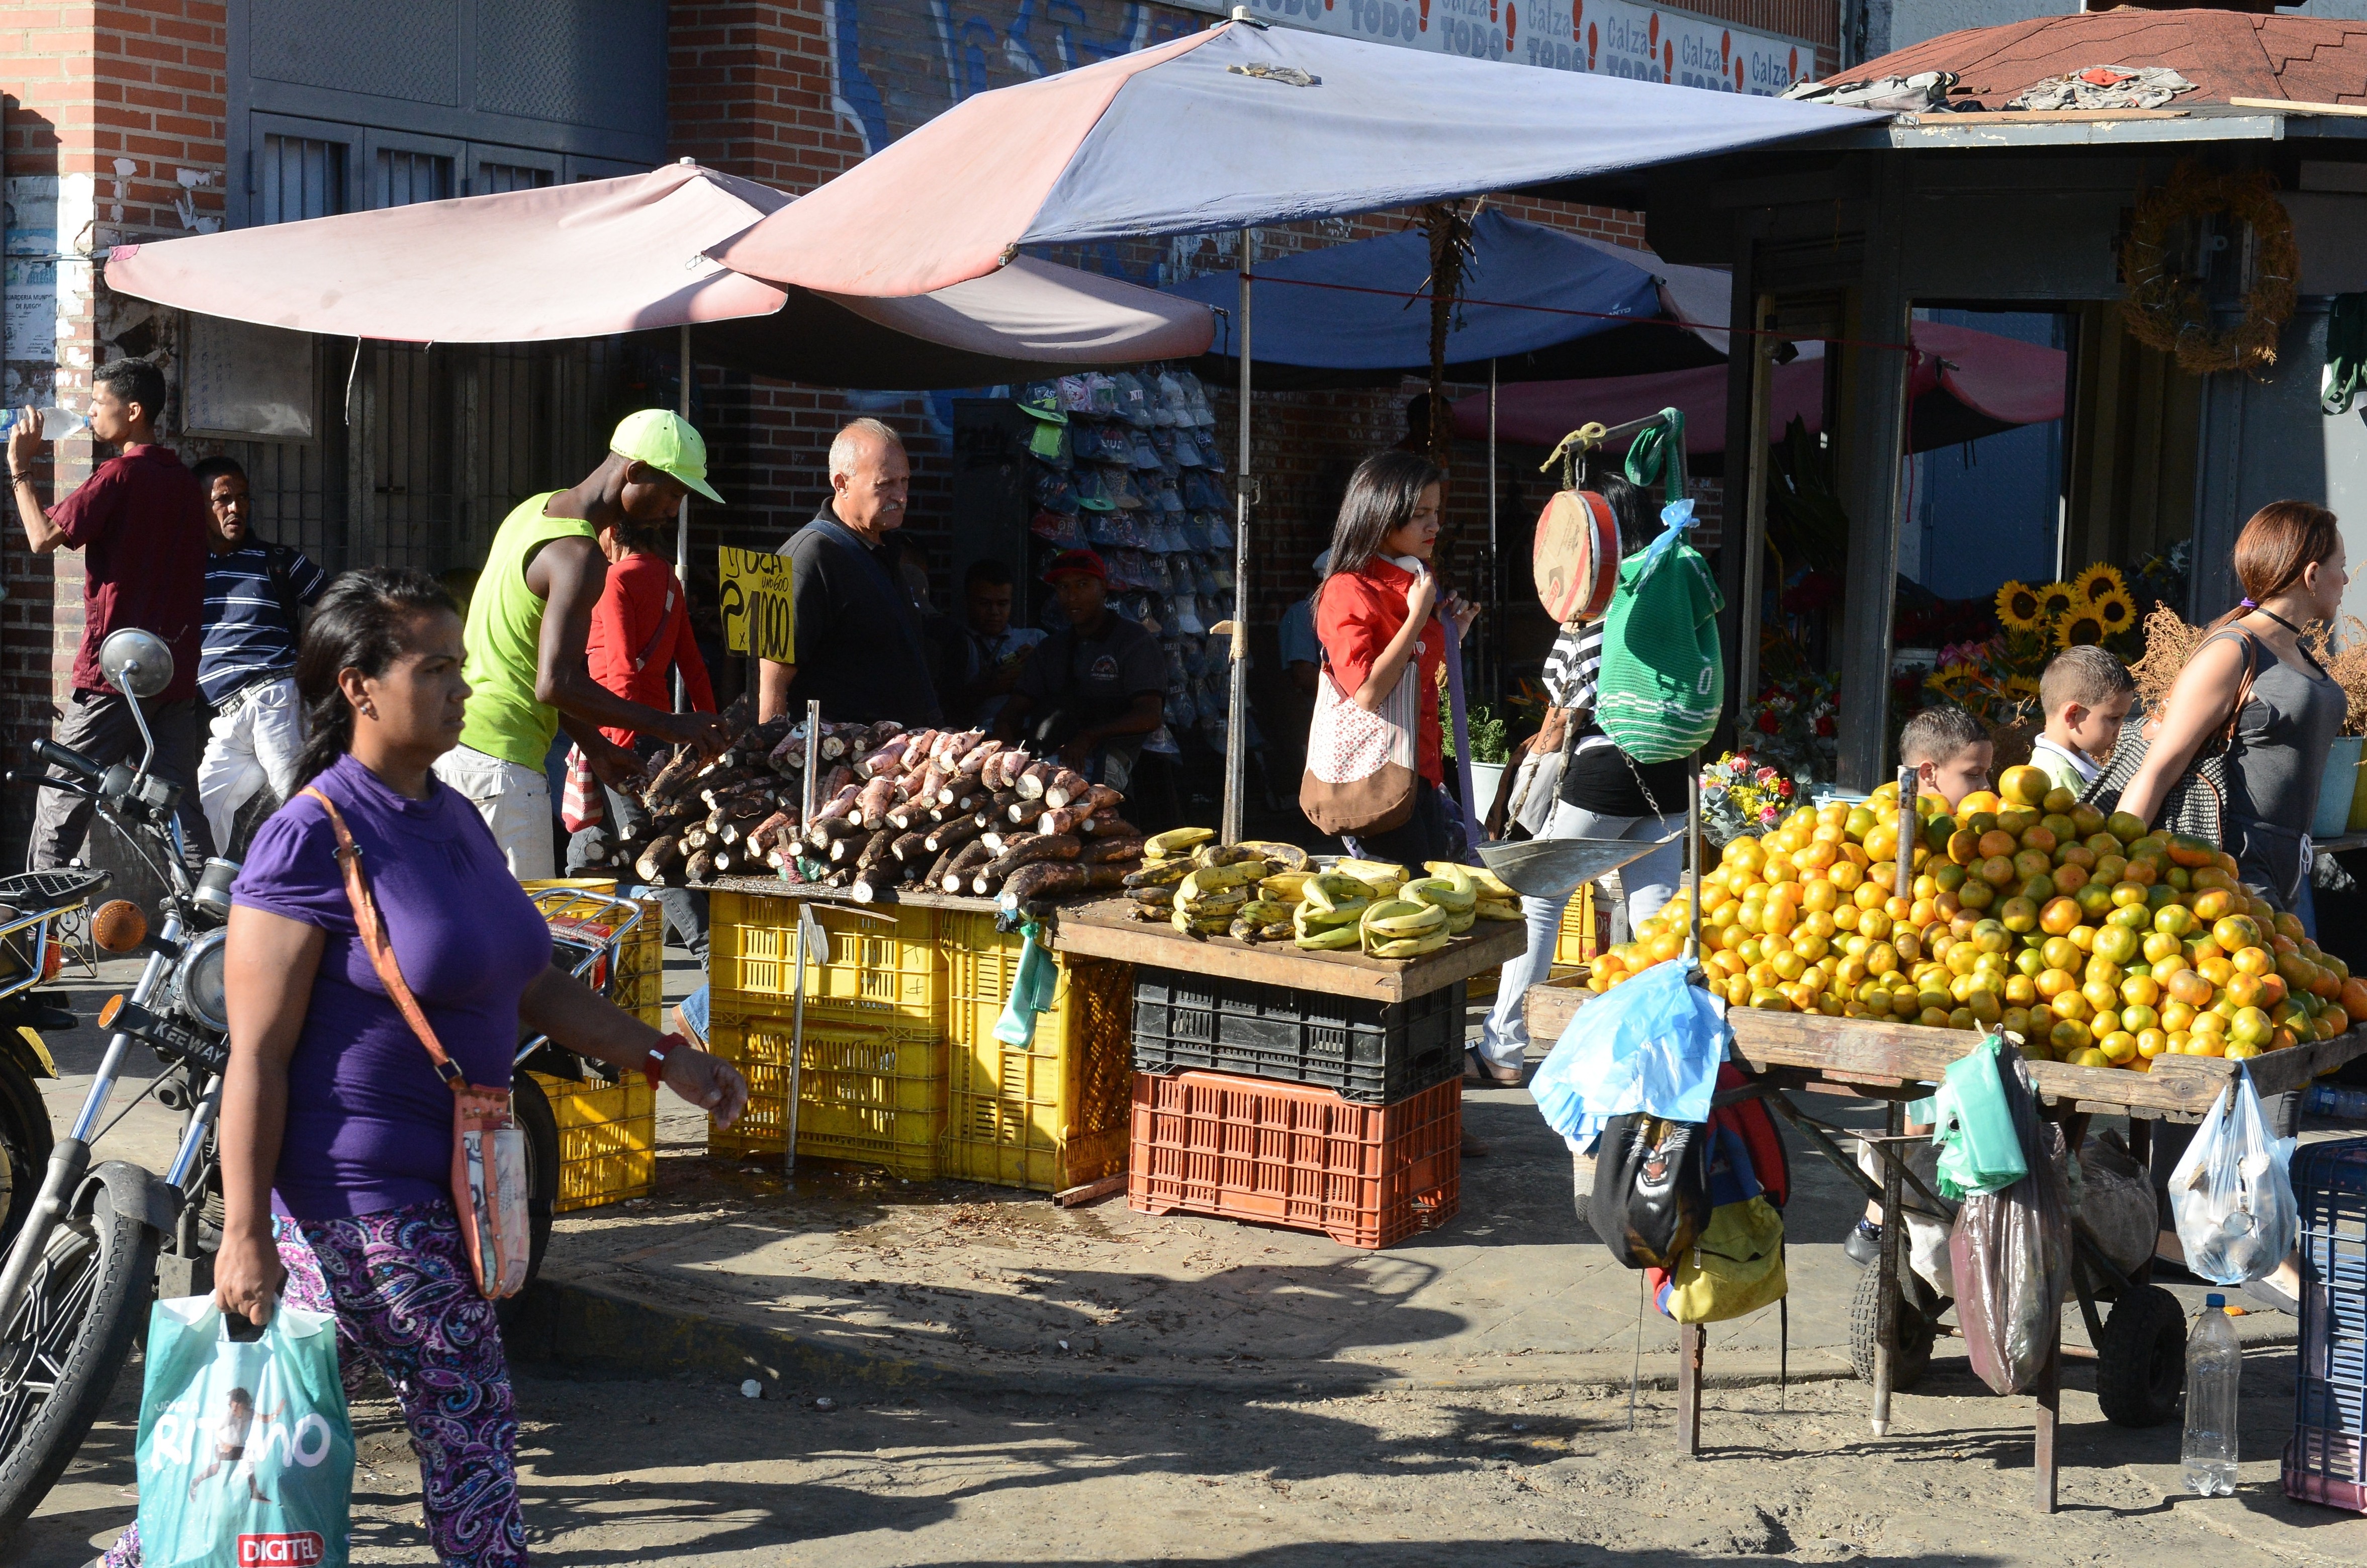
(1495,566)
(1237,706)
(682,518)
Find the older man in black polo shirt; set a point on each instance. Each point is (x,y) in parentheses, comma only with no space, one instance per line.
(857,634)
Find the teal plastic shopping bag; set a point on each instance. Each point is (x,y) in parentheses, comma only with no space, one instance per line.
(1035,985)
(1980,1151)
(246,1452)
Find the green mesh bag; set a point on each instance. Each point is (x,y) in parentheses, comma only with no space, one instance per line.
(1663,678)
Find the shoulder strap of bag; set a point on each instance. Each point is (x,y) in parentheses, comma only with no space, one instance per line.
(382,951)
(666,624)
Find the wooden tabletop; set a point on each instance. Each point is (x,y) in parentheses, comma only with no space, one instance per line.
(1892,1060)
(1100,929)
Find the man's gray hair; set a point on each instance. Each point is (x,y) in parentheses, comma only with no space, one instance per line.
(846,446)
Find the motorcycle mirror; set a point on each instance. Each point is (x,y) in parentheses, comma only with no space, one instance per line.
(137,663)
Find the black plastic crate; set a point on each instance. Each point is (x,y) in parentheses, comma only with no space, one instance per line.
(1377,1053)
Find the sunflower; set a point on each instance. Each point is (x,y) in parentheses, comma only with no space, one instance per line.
(2077,629)
(2102,577)
(2113,607)
(2017,607)
(1952,680)
(2022,688)
(2055,601)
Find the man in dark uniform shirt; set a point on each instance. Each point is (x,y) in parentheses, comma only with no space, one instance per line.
(1094,691)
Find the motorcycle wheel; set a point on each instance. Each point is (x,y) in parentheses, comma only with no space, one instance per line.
(61,1350)
(531,1110)
(25,1143)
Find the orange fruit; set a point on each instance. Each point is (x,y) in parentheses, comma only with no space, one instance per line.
(2235,931)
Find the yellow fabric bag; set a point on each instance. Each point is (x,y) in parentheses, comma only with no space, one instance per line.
(1735,1268)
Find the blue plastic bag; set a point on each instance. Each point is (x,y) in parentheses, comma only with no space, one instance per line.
(246,1452)
(1651,1043)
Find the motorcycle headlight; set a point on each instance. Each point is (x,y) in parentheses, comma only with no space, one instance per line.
(199,981)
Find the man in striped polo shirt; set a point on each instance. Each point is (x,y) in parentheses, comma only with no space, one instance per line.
(256,596)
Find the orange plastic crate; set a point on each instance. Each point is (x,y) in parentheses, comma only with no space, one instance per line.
(1285,1153)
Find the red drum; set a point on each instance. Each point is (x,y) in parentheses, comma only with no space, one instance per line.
(1577,557)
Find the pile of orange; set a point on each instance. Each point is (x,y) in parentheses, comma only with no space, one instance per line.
(2093,940)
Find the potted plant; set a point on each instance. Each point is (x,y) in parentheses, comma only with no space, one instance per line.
(1490,752)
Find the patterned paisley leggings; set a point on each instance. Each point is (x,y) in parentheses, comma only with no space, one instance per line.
(406,1302)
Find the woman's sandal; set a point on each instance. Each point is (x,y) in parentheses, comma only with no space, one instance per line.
(1478,1069)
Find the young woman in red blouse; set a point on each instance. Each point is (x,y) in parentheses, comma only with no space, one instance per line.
(1377,617)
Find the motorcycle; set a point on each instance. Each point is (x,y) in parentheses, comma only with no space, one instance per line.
(99,1243)
(34,905)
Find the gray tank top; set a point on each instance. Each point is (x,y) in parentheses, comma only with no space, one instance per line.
(2281,740)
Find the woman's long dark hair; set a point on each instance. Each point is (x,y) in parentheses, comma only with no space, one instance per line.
(365,621)
(1382,494)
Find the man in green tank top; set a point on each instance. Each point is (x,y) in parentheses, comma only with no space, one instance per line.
(528,621)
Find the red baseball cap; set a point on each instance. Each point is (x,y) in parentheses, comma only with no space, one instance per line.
(1069,563)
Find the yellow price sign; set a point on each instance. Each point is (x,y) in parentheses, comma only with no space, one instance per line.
(757,605)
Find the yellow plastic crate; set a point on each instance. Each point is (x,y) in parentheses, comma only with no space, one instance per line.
(886,973)
(1581,928)
(639,987)
(1056,1113)
(872,1093)
(608,1140)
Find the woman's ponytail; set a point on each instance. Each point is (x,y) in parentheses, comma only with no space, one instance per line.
(364,621)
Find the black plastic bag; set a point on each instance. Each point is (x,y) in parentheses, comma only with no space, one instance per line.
(1651,1189)
(2010,1251)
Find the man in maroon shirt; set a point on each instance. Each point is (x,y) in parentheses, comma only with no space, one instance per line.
(140,521)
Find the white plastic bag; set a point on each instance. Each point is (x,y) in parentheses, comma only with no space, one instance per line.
(2232,1192)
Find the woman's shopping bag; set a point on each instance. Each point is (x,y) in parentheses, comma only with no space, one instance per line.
(246,1453)
(2232,1191)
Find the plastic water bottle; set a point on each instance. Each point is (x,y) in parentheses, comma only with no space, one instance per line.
(56,423)
(2342,1104)
(2213,1362)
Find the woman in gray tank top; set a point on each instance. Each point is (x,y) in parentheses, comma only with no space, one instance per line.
(2289,559)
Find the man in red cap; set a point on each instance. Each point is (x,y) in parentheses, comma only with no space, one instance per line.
(1097,688)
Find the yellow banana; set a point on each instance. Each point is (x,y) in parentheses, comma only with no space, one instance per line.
(1382,877)
(1409,947)
(1331,890)
(1155,897)
(1393,918)
(1164,874)
(1496,910)
(1290,886)
(1460,920)
(1226,901)
(1176,842)
(1208,855)
(1329,940)
(1207,879)
(1486,883)
(1199,925)
(1263,911)
(1314,917)
(1439,891)
(1288,857)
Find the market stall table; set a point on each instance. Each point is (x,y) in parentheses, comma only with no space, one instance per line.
(1897,1063)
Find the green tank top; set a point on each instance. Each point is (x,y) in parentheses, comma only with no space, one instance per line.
(505,640)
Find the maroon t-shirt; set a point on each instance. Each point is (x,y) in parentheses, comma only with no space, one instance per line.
(140,522)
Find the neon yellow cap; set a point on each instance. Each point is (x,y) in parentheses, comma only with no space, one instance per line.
(665,441)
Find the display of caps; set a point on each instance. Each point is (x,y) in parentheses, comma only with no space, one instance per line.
(1133,403)
(1187,450)
(1076,395)
(1055,529)
(1093,490)
(1053,490)
(1041,400)
(1085,440)
(1121,487)
(1164,497)
(1103,392)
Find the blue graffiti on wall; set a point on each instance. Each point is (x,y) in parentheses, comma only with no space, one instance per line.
(854,97)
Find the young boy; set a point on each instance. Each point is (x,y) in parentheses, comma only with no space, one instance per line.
(2086,694)
(1950,751)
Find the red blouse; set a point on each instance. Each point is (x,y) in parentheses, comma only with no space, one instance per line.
(1356,615)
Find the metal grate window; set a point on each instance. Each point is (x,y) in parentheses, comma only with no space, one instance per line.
(300,177)
(402,177)
(492,178)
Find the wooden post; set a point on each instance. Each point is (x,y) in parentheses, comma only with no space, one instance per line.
(1885,1317)
(1869,487)
(1690,1338)
(1742,548)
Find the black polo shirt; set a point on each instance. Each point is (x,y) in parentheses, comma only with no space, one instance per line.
(858,642)
(1094,680)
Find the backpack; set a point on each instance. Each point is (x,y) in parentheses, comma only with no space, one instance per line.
(1663,679)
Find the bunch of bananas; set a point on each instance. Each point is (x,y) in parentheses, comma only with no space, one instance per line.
(1207,890)
(1331,905)
(1495,898)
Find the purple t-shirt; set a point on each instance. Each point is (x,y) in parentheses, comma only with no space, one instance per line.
(370,1124)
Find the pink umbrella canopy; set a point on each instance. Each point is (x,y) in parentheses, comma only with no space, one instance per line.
(626,254)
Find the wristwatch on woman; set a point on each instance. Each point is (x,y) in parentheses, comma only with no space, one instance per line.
(653,1065)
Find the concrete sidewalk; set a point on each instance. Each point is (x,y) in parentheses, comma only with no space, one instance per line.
(850,1273)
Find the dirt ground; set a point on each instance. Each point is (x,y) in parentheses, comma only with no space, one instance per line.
(626,1472)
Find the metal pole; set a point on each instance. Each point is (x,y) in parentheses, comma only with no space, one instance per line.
(805,917)
(1494,662)
(682,518)
(1238,706)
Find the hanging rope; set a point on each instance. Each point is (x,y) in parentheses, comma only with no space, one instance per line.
(1572,452)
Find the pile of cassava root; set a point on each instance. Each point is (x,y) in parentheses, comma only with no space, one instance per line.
(950,811)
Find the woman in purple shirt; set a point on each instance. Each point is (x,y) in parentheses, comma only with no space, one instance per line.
(336,1132)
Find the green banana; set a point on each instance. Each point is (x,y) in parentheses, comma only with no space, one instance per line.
(1451,890)
(1461,920)
(1290,886)
(1310,917)
(1496,910)
(1329,940)
(1207,879)
(1332,889)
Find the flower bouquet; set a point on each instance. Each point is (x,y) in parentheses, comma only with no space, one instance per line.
(1741,794)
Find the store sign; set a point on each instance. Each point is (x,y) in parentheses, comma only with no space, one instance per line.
(756,606)
(1611,38)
